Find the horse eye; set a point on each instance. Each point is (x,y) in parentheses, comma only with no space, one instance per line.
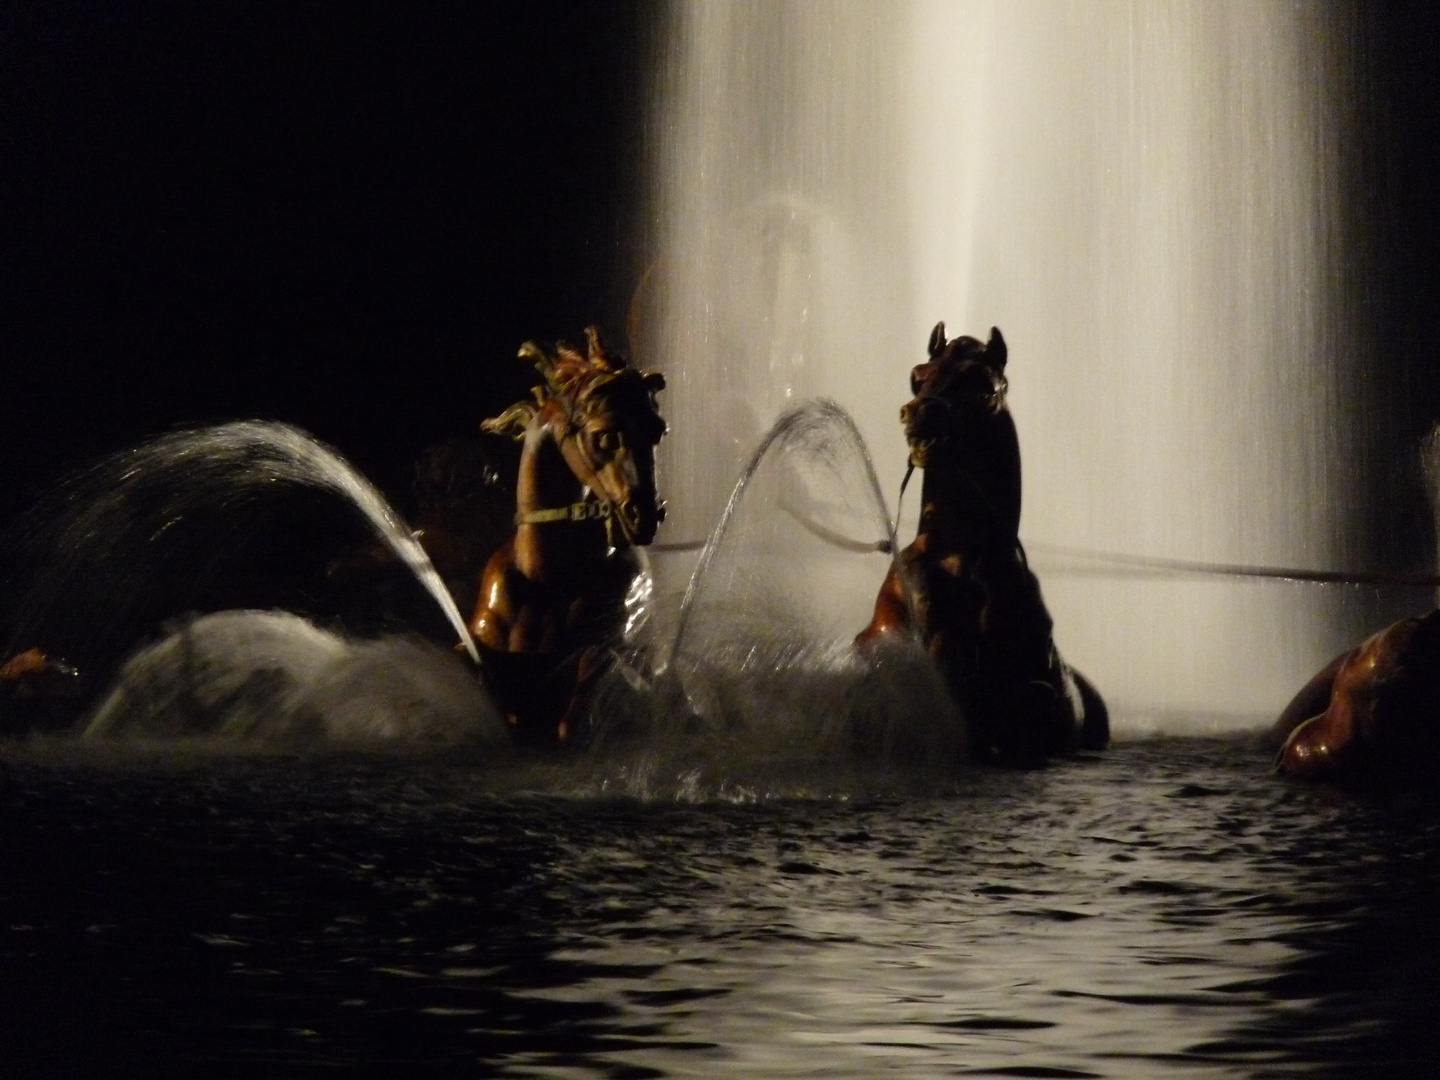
(606,441)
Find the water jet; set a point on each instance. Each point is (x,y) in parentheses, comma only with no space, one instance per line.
(103,553)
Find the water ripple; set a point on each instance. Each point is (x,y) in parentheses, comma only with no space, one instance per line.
(299,915)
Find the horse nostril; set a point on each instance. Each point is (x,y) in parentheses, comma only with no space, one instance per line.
(660,511)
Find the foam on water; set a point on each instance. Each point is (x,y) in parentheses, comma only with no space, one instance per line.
(754,719)
(273,678)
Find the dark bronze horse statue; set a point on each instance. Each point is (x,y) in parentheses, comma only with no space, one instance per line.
(1369,717)
(963,586)
(553,595)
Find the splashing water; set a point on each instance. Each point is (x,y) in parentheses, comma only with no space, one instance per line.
(115,518)
(1153,201)
(748,689)
(820,476)
(760,692)
(272,678)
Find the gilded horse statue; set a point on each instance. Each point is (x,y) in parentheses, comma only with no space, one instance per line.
(553,595)
(1369,717)
(963,586)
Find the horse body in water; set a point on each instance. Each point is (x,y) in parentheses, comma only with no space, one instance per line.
(1369,717)
(964,585)
(553,594)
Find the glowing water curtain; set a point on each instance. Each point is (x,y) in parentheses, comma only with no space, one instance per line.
(1149,198)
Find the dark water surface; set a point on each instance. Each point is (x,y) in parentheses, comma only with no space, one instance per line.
(1167,909)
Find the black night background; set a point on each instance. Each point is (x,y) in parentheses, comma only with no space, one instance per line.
(343,216)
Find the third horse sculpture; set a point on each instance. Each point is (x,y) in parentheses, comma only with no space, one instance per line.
(1368,717)
(553,596)
(963,586)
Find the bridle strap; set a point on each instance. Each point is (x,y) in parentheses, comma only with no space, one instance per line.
(584,510)
(588,508)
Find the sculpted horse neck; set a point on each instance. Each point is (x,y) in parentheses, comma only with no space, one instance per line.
(554,594)
(1368,718)
(963,585)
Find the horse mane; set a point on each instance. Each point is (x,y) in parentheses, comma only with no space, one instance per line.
(514,420)
(573,379)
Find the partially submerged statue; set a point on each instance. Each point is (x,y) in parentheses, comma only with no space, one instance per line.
(553,596)
(963,586)
(1369,717)
(39,692)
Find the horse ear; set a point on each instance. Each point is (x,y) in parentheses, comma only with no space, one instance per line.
(995,350)
(596,353)
(937,339)
(543,361)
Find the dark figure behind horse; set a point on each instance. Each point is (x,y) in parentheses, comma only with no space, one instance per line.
(963,585)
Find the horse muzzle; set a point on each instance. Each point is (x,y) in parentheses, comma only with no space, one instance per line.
(930,424)
(921,451)
(639,518)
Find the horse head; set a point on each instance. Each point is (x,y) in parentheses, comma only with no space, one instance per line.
(601,414)
(959,393)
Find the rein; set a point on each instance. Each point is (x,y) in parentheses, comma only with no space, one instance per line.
(1106,562)
(900,501)
(1111,563)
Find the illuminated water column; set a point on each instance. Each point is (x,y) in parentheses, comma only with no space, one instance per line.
(1150,199)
